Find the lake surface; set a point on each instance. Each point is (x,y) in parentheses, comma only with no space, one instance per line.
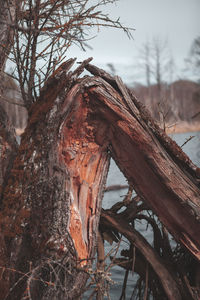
(192,149)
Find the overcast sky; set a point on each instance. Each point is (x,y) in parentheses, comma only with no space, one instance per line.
(175,20)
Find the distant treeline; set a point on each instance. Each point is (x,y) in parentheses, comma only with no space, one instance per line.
(179,101)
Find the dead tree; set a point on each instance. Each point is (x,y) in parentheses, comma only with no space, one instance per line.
(52,184)
(51,200)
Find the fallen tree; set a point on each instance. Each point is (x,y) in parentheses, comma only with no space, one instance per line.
(51,199)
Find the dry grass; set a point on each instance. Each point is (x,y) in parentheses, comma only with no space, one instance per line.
(183,126)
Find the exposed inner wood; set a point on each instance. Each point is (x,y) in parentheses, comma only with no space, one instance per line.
(51,201)
(86,162)
(148,165)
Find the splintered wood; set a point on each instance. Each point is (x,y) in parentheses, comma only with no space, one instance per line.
(87,165)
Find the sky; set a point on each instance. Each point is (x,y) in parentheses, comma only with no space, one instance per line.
(178,21)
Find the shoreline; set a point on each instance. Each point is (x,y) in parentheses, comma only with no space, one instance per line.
(182,127)
(179,127)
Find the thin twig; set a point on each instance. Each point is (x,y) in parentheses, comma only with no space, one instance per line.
(187,140)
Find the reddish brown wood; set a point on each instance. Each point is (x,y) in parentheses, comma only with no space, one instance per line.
(51,205)
(52,200)
(160,172)
(86,161)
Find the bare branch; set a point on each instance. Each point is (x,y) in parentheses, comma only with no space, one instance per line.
(44,31)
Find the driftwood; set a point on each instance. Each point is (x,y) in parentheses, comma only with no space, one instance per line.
(166,277)
(116,187)
(51,204)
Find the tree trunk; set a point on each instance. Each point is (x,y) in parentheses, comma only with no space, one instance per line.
(51,204)
(8,149)
(7,22)
(8,145)
(156,166)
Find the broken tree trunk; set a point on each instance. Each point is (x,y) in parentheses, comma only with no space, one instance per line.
(156,166)
(51,204)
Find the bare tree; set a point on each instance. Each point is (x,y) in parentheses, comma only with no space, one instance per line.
(160,63)
(43,33)
(158,66)
(146,63)
(36,36)
(156,62)
(193,61)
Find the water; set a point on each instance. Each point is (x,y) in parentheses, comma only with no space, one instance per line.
(192,149)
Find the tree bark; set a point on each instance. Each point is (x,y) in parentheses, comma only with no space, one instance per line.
(7,22)
(158,169)
(8,149)
(8,145)
(51,204)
